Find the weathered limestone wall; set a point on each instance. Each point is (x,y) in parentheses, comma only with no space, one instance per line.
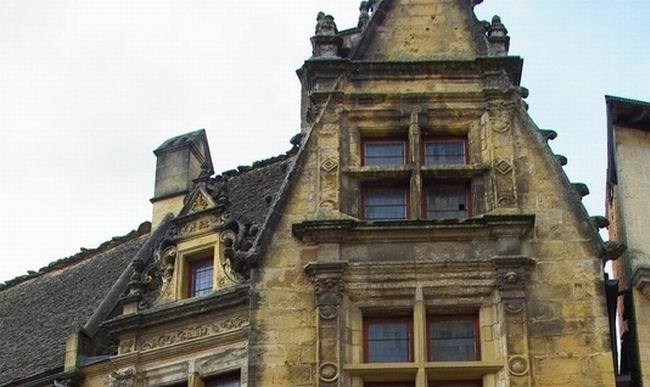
(283,348)
(568,322)
(445,24)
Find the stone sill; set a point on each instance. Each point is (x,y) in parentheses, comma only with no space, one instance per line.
(350,230)
(465,370)
(446,171)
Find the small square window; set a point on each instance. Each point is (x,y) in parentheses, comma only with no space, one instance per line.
(385,204)
(201,273)
(232,379)
(440,152)
(447,202)
(384,152)
(388,340)
(453,338)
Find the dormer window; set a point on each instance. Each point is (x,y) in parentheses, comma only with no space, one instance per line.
(201,274)
(384,152)
(447,201)
(445,151)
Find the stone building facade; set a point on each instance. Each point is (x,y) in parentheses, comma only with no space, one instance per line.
(420,232)
(628,134)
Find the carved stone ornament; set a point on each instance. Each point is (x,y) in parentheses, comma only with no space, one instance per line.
(514,307)
(512,272)
(328,372)
(325,25)
(503,167)
(329,292)
(506,199)
(122,378)
(518,365)
(199,225)
(127,346)
(328,287)
(199,204)
(193,332)
(329,165)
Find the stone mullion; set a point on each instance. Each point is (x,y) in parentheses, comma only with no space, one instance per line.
(414,160)
(420,338)
(328,291)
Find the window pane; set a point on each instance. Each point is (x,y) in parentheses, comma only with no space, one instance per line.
(201,277)
(384,153)
(445,152)
(388,341)
(383,205)
(229,380)
(452,340)
(455,384)
(450,203)
(389,384)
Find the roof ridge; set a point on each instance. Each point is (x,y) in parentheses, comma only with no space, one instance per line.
(143,228)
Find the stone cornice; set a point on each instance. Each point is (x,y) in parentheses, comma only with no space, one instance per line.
(475,68)
(349,230)
(180,310)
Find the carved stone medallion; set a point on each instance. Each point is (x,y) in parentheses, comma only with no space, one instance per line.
(518,365)
(328,372)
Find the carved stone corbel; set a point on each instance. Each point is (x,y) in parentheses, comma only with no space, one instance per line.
(641,281)
(122,378)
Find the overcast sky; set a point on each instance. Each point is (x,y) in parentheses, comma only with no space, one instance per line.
(88,88)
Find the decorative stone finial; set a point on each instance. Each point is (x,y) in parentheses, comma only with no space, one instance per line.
(325,25)
(364,12)
(326,44)
(497,35)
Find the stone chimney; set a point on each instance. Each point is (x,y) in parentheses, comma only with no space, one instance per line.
(180,160)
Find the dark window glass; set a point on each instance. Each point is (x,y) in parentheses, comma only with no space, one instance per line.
(201,277)
(384,153)
(444,152)
(390,384)
(455,384)
(227,380)
(447,203)
(385,204)
(389,341)
(453,340)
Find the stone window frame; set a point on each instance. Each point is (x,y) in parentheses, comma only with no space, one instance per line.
(388,186)
(198,252)
(379,319)
(384,140)
(192,269)
(421,371)
(474,317)
(432,139)
(434,184)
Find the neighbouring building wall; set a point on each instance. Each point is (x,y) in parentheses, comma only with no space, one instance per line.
(629,212)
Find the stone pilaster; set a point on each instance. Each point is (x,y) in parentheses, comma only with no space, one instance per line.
(328,291)
(513,273)
(501,154)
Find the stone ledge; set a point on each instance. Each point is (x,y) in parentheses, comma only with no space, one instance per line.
(486,227)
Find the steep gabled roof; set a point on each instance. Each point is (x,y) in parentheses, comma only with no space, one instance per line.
(38,313)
